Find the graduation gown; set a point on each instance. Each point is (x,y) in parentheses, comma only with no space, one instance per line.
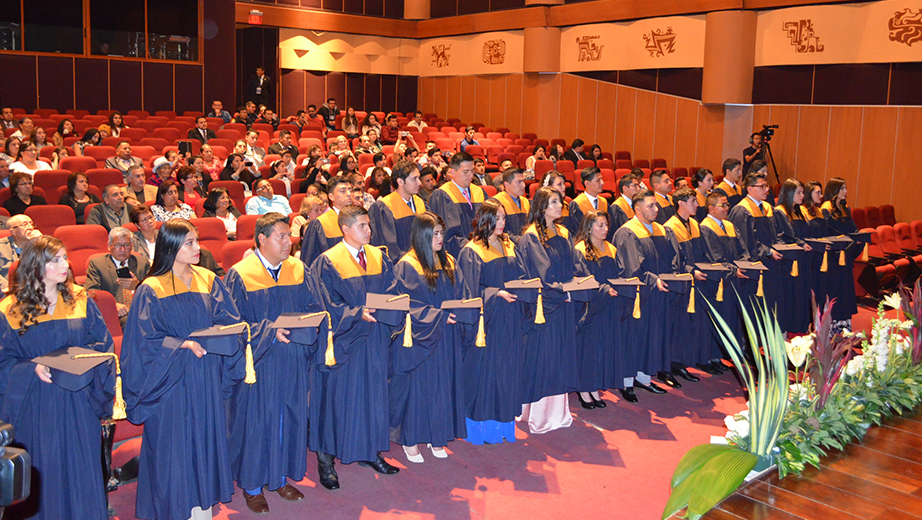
(794,290)
(178,397)
(549,361)
(755,227)
(321,234)
(426,399)
(516,214)
(646,255)
(821,282)
(666,208)
(601,329)
(723,246)
(734,193)
(568,221)
(842,285)
(349,400)
(492,375)
(702,212)
(582,205)
(278,401)
(391,219)
(457,213)
(619,212)
(58,427)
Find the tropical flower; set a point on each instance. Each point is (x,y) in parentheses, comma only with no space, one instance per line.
(892,301)
(799,392)
(798,348)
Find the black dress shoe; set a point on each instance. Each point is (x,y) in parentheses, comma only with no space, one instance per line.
(328,477)
(686,375)
(380,465)
(628,394)
(720,367)
(598,402)
(589,405)
(709,368)
(668,379)
(652,388)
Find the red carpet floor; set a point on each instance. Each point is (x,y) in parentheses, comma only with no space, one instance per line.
(613,463)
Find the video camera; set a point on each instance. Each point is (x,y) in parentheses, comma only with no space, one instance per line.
(15,469)
(767,132)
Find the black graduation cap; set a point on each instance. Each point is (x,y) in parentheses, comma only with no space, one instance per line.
(750,266)
(788,251)
(69,370)
(627,284)
(863,237)
(223,340)
(678,283)
(389,308)
(581,289)
(302,327)
(712,270)
(841,242)
(465,311)
(526,290)
(819,244)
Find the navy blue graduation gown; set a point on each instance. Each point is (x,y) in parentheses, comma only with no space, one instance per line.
(645,255)
(178,397)
(321,234)
(794,290)
(426,399)
(823,282)
(516,214)
(59,428)
(549,366)
(492,375)
(755,228)
(702,212)
(734,193)
(457,213)
(666,208)
(582,205)
(278,401)
(349,400)
(724,247)
(619,212)
(391,219)
(842,286)
(602,327)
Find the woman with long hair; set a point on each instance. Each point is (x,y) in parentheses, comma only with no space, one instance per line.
(426,400)
(539,154)
(65,130)
(796,275)
(168,205)
(90,138)
(818,228)
(492,373)
(116,124)
(57,425)
(703,182)
(220,205)
(77,195)
(838,216)
(557,182)
(235,169)
(350,124)
(595,154)
(39,138)
(380,182)
(549,363)
(172,387)
(371,123)
(10,151)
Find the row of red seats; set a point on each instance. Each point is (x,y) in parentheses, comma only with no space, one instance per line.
(894,257)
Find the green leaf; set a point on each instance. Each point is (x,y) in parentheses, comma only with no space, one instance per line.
(718,478)
(679,496)
(695,458)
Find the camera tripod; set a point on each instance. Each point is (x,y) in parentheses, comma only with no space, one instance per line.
(771,159)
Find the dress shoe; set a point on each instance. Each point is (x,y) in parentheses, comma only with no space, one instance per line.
(668,379)
(290,493)
(720,367)
(686,375)
(416,459)
(328,477)
(628,394)
(598,402)
(589,405)
(380,465)
(438,451)
(256,503)
(652,387)
(709,368)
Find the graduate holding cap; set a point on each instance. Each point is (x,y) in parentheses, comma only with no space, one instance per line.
(175,385)
(56,416)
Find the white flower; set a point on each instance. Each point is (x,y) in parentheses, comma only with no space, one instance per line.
(854,365)
(799,392)
(892,300)
(798,348)
(906,325)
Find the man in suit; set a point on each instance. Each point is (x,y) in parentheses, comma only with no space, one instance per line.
(284,144)
(201,130)
(575,153)
(480,173)
(102,274)
(138,191)
(21,231)
(113,212)
(123,161)
(260,88)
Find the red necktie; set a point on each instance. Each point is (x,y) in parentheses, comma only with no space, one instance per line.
(362,262)
(467,197)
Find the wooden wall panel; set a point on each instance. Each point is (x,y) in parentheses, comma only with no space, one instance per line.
(426,94)
(335,87)
(482,100)
(91,84)
(388,93)
(710,137)
(907,190)
(784,142)
(687,135)
(125,86)
(21,93)
(355,92)
(453,98)
(530,102)
(407,89)
(875,167)
(547,106)
(569,108)
(624,124)
(606,115)
(664,137)
(469,99)
(644,120)
(514,103)
(813,143)
(158,86)
(845,147)
(373,92)
(292,90)
(56,82)
(498,101)
(189,96)
(586,110)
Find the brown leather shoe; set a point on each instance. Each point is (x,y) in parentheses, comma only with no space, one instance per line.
(290,493)
(256,503)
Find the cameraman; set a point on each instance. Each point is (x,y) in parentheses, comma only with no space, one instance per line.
(756,152)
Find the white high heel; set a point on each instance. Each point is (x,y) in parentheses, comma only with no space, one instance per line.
(417,459)
(440,454)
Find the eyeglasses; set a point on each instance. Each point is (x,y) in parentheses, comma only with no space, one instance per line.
(266,187)
(24,225)
(24,183)
(122,246)
(761,186)
(146,220)
(724,205)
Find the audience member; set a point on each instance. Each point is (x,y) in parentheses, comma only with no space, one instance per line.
(145,238)
(468,138)
(201,132)
(4,174)
(390,133)
(328,111)
(21,187)
(77,197)
(417,121)
(118,272)
(117,124)
(39,138)
(168,205)
(350,124)
(217,110)
(191,191)
(113,212)
(10,151)
(138,191)
(266,200)
(163,171)
(371,123)
(220,205)
(28,160)
(575,153)
(123,161)
(22,230)
(25,127)
(90,138)
(65,130)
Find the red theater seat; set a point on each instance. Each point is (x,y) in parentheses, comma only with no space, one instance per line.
(49,218)
(82,242)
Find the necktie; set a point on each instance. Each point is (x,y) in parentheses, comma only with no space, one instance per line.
(362,262)
(204,135)
(275,272)
(595,204)
(467,197)
(412,206)
(517,202)
(722,228)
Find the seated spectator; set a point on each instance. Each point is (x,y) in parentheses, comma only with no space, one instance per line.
(595,154)
(340,148)
(434,158)
(539,154)
(328,111)
(374,144)
(191,191)
(254,152)
(575,153)
(104,131)
(21,231)
(116,124)
(26,125)
(371,123)
(555,154)
(268,117)
(77,196)
(315,120)
(317,172)
(347,165)
(427,182)
(242,117)
(4,174)
(123,161)
(219,204)
(163,171)
(65,130)
(390,133)
(364,146)
(240,148)
(481,178)
(145,238)
(107,273)
(213,165)
(11,150)
(58,154)
(138,191)
(505,165)
(6,119)
(312,207)
(266,200)
(236,170)
(284,144)
(380,182)
(90,138)
(283,170)
(468,138)
(198,166)
(201,132)
(350,124)
(217,110)
(313,151)
(28,160)
(22,198)
(417,121)
(113,212)
(378,161)
(39,138)
(363,198)
(168,204)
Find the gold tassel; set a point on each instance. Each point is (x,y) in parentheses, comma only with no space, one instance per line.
(794,271)
(329,357)
(118,408)
(408,332)
(842,257)
(250,369)
(481,334)
(825,266)
(691,298)
(539,312)
(720,290)
(636,313)
(759,292)
(864,253)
